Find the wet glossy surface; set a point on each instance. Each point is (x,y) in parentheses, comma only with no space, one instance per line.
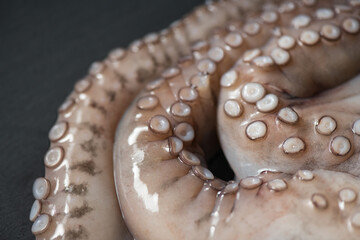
(44,39)
(151,177)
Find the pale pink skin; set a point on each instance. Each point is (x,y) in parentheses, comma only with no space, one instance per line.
(162,196)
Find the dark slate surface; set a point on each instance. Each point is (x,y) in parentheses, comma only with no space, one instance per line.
(45,46)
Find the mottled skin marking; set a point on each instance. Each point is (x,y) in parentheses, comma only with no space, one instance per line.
(76,234)
(90,147)
(167,60)
(98,107)
(121,78)
(76,189)
(111,95)
(87,166)
(168,184)
(78,212)
(142,75)
(98,131)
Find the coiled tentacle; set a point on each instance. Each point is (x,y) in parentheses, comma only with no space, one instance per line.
(160,168)
(270,102)
(76,199)
(270,98)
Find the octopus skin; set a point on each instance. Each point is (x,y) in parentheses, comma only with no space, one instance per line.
(276,81)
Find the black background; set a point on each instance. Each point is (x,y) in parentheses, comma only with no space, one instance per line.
(45,46)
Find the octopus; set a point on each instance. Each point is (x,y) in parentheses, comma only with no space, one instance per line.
(274,84)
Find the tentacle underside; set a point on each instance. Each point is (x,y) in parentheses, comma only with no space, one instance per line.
(323,54)
(278,118)
(76,199)
(279,125)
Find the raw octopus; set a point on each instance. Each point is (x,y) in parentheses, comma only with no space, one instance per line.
(274,84)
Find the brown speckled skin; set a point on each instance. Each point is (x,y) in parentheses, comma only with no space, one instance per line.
(160,196)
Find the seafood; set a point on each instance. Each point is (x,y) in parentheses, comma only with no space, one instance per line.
(276,81)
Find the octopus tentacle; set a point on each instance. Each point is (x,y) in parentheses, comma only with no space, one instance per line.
(164,140)
(282,73)
(69,202)
(159,168)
